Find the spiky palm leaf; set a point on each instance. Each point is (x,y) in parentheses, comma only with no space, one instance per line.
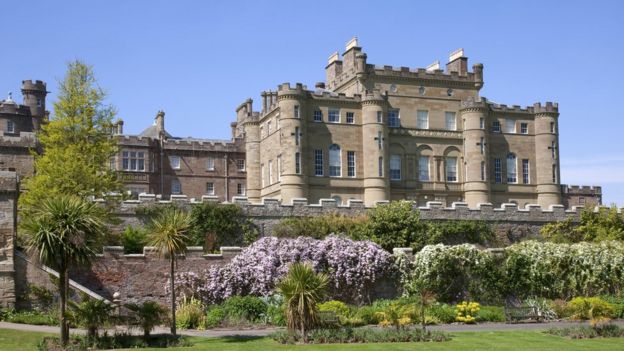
(303,289)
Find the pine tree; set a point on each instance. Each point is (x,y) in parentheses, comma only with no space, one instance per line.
(77,144)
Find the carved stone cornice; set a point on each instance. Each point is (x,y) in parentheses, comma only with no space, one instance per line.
(427,133)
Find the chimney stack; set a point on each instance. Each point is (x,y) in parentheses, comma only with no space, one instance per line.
(457,63)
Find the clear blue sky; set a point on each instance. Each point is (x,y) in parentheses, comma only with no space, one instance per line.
(197,60)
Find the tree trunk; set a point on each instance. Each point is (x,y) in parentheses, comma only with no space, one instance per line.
(63,306)
(422,314)
(173,298)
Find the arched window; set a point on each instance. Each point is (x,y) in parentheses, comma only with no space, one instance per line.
(335,161)
(512,174)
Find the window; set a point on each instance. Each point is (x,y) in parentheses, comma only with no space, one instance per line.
(482,145)
(176,188)
(333,116)
(10,127)
(240,164)
(422,119)
(380,167)
(581,201)
(552,127)
(496,127)
(270,172)
(525,171)
(210,164)
(482,171)
(269,128)
(297,135)
(498,172)
(335,161)
(318,162)
(554,173)
(380,139)
(451,121)
(318,116)
(482,123)
(394,119)
(279,168)
(510,126)
(210,188)
(423,168)
(379,117)
(297,163)
(395,167)
(511,169)
(262,177)
(552,148)
(175,162)
(296,111)
(240,189)
(350,118)
(350,163)
(524,128)
(451,169)
(133,161)
(39,102)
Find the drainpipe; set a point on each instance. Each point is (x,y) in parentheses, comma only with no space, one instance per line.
(227,172)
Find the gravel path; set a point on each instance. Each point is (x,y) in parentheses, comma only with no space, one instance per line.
(484,327)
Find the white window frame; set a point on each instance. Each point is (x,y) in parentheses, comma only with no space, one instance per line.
(496,126)
(240,164)
(379,117)
(450,120)
(210,188)
(510,126)
(318,163)
(498,171)
(394,118)
(175,162)
(297,163)
(333,115)
(270,172)
(526,175)
(350,117)
(262,175)
(241,189)
(395,172)
(279,168)
(210,164)
(482,123)
(297,111)
(422,119)
(335,160)
(176,187)
(318,115)
(524,128)
(351,164)
(423,169)
(133,161)
(451,169)
(10,126)
(512,168)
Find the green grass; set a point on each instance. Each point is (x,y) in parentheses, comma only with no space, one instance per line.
(464,341)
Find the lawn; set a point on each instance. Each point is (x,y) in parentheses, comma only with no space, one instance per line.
(509,340)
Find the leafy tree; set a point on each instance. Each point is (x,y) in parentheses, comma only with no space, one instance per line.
(133,240)
(63,231)
(303,290)
(216,225)
(605,224)
(77,143)
(168,234)
(147,315)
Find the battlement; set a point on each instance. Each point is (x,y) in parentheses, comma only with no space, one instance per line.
(203,144)
(581,189)
(421,73)
(150,252)
(326,95)
(286,89)
(15,109)
(37,85)
(549,107)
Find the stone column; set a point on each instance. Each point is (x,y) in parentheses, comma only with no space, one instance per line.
(375,149)
(547,154)
(476,151)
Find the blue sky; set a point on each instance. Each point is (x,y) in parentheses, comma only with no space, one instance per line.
(197,60)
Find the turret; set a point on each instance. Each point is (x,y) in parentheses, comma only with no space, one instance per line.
(252,160)
(375,148)
(34,94)
(476,151)
(547,154)
(159,121)
(292,121)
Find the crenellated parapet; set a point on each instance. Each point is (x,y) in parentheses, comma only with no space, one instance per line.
(581,189)
(548,109)
(285,91)
(24,140)
(149,252)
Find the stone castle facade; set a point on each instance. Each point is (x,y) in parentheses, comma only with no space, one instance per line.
(369,133)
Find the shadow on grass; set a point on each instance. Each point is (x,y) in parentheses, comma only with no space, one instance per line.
(239,338)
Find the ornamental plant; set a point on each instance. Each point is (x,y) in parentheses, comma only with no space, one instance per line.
(465,312)
(352,267)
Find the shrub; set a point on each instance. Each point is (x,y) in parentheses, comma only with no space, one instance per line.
(276,314)
(466,312)
(586,308)
(216,225)
(32,317)
(318,227)
(560,308)
(585,332)
(361,335)
(605,224)
(190,314)
(491,314)
(215,316)
(543,308)
(353,267)
(250,308)
(133,240)
(442,312)
(147,315)
(40,297)
(338,307)
(617,303)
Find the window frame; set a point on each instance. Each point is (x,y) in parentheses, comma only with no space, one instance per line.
(448,114)
(175,182)
(351,164)
(333,115)
(498,171)
(317,116)
(419,121)
(512,168)
(526,175)
(238,162)
(210,161)
(318,163)
(212,187)
(10,127)
(179,161)
(424,170)
(524,128)
(496,126)
(335,154)
(395,173)
(394,118)
(451,176)
(350,117)
(241,189)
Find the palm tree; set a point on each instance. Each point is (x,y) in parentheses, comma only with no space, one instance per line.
(147,316)
(63,231)
(91,314)
(168,235)
(302,289)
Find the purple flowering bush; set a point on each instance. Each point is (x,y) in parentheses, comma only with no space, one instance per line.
(353,268)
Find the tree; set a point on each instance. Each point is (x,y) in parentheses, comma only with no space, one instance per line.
(91,314)
(168,234)
(147,315)
(77,143)
(303,290)
(63,231)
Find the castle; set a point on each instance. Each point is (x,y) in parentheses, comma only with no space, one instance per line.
(369,133)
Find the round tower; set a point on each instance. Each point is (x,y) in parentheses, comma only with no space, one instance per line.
(292,123)
(476,152)
(34,94)
(547,154)
(252,160)
(375,148)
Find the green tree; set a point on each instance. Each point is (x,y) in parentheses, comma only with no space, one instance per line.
(168,234)
(216,225)
(303,290)
(91,314)
(593,226)
(63,231)
(77,142)
(146,315)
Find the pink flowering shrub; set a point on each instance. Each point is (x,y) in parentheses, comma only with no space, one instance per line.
(353,268)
